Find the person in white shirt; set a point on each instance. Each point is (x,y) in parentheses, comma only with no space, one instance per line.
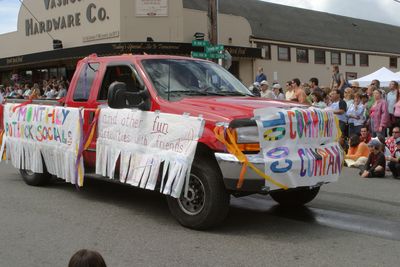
(355,115)
(391,99)
(265,91)
(276,89)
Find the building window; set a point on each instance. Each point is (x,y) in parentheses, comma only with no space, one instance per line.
(266,48)
(364,61)
(319,56)
(302,55)
(351,76)
(393,62)
(335,58)
(284,53)
(350,59)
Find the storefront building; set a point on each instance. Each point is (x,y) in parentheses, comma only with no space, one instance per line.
(287,42)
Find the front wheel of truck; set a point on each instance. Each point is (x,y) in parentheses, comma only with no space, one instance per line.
(34,178)
(207,202)
(296,197)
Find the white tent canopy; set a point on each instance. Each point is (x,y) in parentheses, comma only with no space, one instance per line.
(384,76)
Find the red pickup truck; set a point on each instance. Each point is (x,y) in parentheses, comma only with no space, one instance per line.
(178,85)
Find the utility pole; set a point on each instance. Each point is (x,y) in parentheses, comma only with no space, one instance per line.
(213,21)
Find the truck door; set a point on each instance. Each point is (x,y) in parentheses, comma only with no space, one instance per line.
(85,85)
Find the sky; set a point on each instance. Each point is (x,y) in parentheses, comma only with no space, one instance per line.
(386,11)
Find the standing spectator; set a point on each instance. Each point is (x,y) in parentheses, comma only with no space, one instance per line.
(376,163)
(35,94)
(86,258)
(371,101)
(391,141)
(277,90)
(62,91)
(365,136)
(355,115)
(394,160)
(355,86)
(260,76)
(313,88)
(348,96)
(338,106)
(379,115)
(299,94)
(289,94)
(338,78)
(391,99)
(265,91)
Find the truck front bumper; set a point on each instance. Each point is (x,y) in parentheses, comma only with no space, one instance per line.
(231,167)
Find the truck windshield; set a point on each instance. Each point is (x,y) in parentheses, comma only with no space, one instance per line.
(176,78)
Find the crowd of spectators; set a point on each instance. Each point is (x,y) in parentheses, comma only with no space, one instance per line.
(48,89)
(366,116)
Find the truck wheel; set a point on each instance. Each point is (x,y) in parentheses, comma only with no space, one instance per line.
(207,203)
(34,178)
(297,197)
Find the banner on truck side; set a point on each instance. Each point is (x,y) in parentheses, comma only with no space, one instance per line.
(300,146)
(37,133)
(147,144)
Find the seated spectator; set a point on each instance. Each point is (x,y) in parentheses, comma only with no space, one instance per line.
(375,165)
(365,135)
(86,258)
(62,91)
(394,160)
(358,152)
(391,141)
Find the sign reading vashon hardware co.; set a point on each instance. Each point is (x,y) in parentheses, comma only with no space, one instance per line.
(92,13)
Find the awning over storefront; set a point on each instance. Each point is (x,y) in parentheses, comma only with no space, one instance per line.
(108,49)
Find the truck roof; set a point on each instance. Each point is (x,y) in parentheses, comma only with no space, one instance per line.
(136,57)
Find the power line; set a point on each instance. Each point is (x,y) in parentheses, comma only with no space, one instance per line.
(21,1)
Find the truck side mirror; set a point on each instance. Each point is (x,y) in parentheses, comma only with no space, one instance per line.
(120,97)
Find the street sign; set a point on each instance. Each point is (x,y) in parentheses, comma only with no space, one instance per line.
(208,55)
(200,55)
(201,43)
(214,49)
(216,56)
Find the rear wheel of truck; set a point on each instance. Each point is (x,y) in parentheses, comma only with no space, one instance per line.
(297,197)
(207,201)
(34,178)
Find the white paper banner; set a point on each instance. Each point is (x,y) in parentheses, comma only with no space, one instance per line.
(299,146)
(145,141)
(33,132)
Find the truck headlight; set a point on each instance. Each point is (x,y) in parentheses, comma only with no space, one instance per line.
(247,139)
(247,135)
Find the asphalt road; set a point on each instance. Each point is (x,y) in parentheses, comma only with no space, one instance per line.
(355,222)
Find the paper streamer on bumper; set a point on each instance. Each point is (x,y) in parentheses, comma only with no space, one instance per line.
(36,132)
(143,142)
(300,146)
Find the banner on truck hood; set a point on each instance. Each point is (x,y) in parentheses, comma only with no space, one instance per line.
(37,133)
(148,145)
(300,146)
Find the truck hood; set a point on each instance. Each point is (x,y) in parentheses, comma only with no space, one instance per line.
(224,109)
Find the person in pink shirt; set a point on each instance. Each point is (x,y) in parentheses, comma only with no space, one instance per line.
(379,115)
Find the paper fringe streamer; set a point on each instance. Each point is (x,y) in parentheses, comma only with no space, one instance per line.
(142,168)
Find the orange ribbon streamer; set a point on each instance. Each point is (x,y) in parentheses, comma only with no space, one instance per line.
(233,148)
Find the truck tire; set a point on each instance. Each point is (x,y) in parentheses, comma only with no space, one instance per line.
(297,197)
(208,202)
(34,178)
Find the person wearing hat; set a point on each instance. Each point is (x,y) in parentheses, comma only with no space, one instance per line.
(355,86)
(277,90)
(255,89)
(265,91)
(375,165)
(394,160)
